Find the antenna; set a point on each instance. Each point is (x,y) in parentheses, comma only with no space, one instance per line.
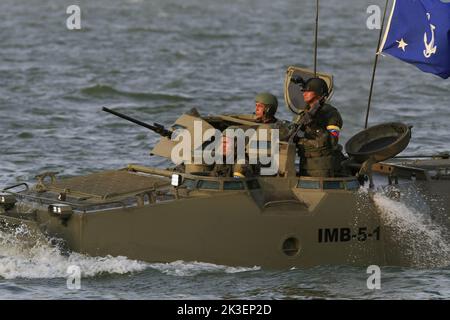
(375,65)
(316,38)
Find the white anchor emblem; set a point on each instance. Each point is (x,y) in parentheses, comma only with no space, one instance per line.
(430,48)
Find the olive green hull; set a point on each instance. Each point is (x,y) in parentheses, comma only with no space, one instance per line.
(272,222)
(338,227)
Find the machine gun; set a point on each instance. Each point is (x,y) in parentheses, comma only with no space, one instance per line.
(156,127)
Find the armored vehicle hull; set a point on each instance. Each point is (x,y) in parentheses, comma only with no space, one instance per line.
(266,221)
(242,225)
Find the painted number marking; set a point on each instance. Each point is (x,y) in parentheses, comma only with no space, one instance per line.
(346,234)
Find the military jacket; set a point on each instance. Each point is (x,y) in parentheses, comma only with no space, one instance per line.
(283,126)
(321,135)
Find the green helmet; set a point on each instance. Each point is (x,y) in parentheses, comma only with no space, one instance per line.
(318,85)
(270,101)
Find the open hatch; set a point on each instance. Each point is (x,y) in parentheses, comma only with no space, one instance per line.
(293,96)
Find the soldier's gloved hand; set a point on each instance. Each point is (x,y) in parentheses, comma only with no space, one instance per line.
(306,119)
(298,80)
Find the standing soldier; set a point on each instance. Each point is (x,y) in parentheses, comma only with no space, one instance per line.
(319,151)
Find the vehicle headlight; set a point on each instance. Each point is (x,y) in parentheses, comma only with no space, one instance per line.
(7,201)
(61,210)
(176,180)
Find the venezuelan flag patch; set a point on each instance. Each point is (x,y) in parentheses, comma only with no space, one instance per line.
(334,130)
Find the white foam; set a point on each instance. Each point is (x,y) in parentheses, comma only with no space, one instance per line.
(424,241)
(22,259)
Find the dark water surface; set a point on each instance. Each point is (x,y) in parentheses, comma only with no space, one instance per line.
(156,59)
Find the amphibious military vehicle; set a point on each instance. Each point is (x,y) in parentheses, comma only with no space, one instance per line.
(279,221)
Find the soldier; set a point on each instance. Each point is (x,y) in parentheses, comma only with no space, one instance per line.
(319,151)
(266,105)
(265,109)
(231,170)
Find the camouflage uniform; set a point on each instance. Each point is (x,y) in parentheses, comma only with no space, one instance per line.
(282,125)
(269,122)
(319,151)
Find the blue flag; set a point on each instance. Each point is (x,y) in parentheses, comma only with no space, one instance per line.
(418,32)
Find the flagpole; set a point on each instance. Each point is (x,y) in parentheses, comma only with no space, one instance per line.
(316,38)
(375,65)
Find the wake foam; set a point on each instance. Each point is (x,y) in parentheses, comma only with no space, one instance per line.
(39,259)
(423,241)
(24,256)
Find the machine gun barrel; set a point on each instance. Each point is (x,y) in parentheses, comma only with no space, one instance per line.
(158,128)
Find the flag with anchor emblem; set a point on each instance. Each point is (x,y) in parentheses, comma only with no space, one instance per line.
(418,32)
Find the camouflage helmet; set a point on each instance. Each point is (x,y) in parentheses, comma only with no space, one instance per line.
(270,101)
(317,85)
